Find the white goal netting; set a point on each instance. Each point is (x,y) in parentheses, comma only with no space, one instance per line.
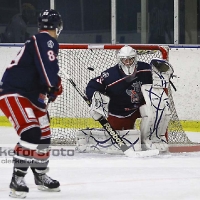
(69,112)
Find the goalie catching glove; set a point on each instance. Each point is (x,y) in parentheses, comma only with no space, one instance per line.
(53,92)
(99,106)
(162,72)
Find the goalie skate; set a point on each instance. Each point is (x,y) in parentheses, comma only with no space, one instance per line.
(44,182)
(160,144)
(18,186)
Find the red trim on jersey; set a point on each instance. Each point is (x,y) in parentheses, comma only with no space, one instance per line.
(41,62)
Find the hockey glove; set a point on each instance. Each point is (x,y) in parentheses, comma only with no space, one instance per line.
(162,72)
(99,106)
(54,92)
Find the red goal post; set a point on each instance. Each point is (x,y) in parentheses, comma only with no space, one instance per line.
(82,62)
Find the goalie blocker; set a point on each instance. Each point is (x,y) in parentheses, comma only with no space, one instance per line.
(155,116)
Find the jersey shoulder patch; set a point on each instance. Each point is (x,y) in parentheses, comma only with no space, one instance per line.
(50,44)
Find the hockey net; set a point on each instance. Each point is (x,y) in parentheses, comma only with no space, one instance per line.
(69,112)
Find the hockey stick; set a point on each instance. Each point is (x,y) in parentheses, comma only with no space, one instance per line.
(104,122)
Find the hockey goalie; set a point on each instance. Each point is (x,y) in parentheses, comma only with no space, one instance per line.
(128,91)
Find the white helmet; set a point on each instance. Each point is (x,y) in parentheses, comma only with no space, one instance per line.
(127,58)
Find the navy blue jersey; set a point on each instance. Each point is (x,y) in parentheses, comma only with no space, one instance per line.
(124,91)
(34,69)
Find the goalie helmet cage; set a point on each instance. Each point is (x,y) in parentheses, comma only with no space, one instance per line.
(82,62)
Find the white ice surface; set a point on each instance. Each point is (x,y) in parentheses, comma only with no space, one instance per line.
(106,177)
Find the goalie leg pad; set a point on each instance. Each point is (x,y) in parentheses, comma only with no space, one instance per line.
(98,141)
(155,118)
(151,138)
(82,140)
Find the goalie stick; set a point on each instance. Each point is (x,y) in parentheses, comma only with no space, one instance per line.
(104,122)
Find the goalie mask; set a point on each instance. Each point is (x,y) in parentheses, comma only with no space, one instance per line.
(127,58)
(50,20)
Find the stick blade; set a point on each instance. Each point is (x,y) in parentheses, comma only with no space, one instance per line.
(141,154)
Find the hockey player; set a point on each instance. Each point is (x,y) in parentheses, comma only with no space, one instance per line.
(122,84)
(131,90)
(29,78)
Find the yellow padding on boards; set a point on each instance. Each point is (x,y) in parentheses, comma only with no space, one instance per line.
(79,123)
(190,126)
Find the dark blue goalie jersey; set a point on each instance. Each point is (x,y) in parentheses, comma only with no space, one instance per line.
(34,69)
(124,91)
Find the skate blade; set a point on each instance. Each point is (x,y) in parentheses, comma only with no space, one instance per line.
(17,194)
(43,188)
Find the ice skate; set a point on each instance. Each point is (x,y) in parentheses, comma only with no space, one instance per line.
(18,186)
(160,144)
(44,182)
